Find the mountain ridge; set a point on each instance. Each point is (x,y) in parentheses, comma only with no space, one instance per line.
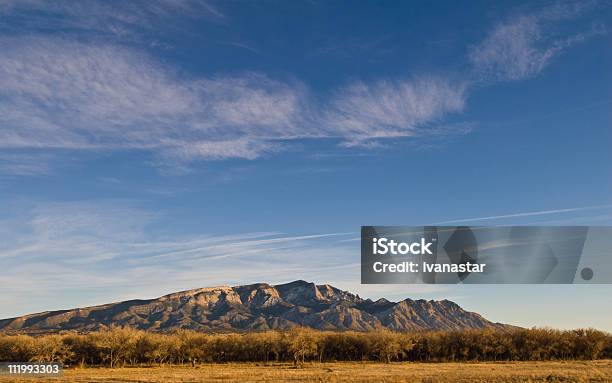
(257,307)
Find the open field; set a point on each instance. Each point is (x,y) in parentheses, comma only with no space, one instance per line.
(506,372)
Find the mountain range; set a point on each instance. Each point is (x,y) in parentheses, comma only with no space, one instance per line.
(257,307)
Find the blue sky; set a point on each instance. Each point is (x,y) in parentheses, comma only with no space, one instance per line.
(150,147)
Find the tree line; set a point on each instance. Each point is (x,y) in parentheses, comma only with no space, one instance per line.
(129,347)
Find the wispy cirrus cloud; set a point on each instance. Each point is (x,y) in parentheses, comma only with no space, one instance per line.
(362,111)
(68,95)
(126,20)
(82,233)
(20,164)
(62,94)
(522,46)
(58,91)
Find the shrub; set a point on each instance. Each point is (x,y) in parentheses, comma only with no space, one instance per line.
(124,346)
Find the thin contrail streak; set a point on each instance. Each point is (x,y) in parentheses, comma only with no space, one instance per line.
(527,214)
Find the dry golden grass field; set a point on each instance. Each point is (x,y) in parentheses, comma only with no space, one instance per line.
(577,371)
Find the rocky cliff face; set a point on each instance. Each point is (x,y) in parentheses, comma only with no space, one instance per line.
(257,307)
